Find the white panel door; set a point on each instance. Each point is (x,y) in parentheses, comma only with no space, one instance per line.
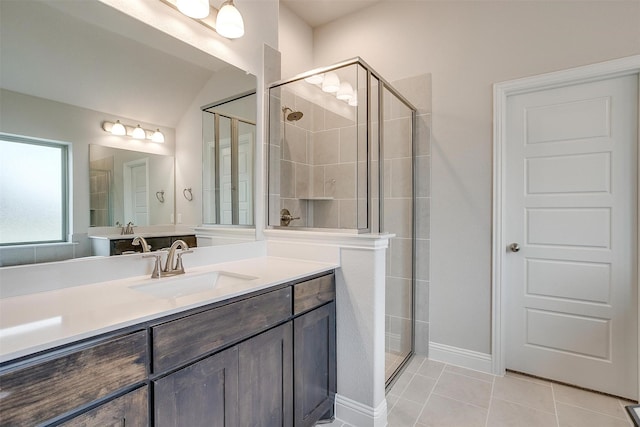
(571,206)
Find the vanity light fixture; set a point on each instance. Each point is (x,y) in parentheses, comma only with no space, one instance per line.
(196,9)
(229,22)
(226,21)
(353,101)
(158,136)
(118,128)
(136,132)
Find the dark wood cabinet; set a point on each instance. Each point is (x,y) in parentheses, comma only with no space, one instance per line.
(314,365)
(204,394)
(129,410)
(50,386)
(266,379)
(230,364)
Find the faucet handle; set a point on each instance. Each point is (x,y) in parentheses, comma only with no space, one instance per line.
(179,265)
(157,265)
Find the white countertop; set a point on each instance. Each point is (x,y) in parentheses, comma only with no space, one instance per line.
(148,234)
(40,321)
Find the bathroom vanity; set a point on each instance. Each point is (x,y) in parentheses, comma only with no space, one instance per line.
(252,355)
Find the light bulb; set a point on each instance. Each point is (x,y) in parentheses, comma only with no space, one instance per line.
(331,83)
(118,128)
(139,133)
(316,79)
(345,92)
(157,136)
(229,22)
(197,9)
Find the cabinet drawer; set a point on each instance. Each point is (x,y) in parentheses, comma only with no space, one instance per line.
(312,293)
(185,339)
(52,387)
(130,410)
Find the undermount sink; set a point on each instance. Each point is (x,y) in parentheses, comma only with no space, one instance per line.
(188,284)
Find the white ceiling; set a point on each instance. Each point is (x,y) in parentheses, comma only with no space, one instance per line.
(99,59)
(320,12)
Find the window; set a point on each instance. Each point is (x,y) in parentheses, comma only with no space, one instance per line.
(33,191)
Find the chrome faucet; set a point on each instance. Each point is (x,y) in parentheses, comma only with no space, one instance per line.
(128,229)
(176,267)
(139,240)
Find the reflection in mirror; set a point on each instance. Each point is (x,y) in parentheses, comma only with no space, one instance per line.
(69,66)
(129,186)
(228,130)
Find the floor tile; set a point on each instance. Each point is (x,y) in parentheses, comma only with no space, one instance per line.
(418,389)
(572,416)
(404,414)
(470,373)
(526,393)
(441,411)
(401,383)
(431,368)
(508,414)
(415,363)
(463,388)
(588,400)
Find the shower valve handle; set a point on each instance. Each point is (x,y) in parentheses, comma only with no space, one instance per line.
(286,217)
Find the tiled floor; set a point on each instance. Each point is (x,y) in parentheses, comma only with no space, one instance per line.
(392,361)
(433,394)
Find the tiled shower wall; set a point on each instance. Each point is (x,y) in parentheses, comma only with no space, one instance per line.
(319,166)
(398,285)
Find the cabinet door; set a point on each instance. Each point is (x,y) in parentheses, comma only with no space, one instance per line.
(266,379)
(129,410)
(315,364)
(204,394)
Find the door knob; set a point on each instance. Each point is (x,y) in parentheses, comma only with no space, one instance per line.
(514,247)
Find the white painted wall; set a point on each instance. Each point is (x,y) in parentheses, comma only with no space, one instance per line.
(467,46)
(295,38)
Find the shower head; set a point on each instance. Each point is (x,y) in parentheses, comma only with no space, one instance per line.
(293,116)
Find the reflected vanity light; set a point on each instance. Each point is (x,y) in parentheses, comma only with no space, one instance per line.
(136,132)
(331,83)
(316,79)
(345,92)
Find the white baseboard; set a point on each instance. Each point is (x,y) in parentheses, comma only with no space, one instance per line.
(356,414)
(461,357)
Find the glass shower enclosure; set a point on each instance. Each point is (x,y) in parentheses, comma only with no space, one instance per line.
(340,159)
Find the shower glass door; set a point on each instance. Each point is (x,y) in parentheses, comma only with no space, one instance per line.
(398,219)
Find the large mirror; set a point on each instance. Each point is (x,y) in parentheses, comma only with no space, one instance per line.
(67,67)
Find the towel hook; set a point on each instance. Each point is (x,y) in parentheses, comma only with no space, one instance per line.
(160,196)
(187,194)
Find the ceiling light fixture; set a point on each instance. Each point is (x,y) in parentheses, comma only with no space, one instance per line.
(196,9)
(229,22)
(136,132)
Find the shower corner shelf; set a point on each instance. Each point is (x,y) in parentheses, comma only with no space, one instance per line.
(316,198)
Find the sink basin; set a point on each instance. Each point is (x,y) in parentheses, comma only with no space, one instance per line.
(183,285)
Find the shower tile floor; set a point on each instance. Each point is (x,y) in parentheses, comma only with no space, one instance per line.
(435,394)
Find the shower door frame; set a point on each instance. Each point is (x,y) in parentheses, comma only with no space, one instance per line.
(382,84)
